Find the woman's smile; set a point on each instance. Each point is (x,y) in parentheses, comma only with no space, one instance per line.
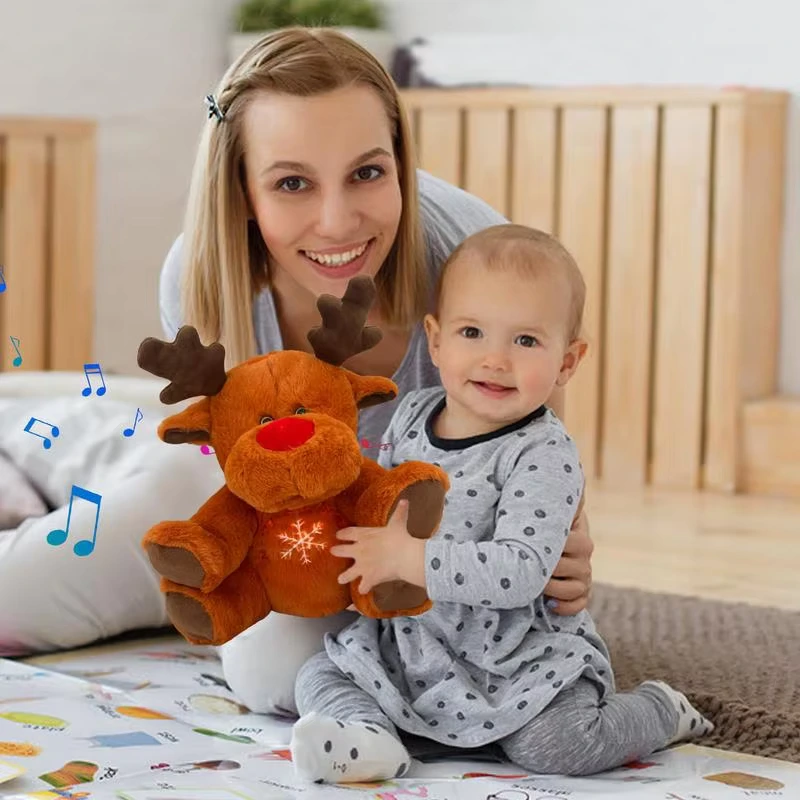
(339,262)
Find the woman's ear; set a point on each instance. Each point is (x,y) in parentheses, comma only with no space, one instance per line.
(433,332)
(573,356)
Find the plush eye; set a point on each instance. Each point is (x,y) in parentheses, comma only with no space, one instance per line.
(301,410)
(264,420)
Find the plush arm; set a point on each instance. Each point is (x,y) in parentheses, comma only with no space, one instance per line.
(218,537)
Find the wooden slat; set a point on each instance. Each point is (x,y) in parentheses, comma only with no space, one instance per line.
(681,296)
(763,218)
(43,128)
(439,143)
(745,278)
(722,414)
(628,334)
(533,175)
(582,230)
(25,200)
(72,254)
(487,158)
(585,96)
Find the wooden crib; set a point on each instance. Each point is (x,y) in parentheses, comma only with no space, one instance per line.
(47,240)
(671,199)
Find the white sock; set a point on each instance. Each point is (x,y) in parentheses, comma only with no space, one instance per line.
(691,723)
(325,750)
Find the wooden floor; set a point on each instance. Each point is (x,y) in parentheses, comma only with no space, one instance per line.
(740,548)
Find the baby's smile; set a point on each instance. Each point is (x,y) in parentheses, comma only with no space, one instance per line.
(493,389)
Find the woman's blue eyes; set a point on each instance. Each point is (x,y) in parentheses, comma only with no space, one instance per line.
(294,184)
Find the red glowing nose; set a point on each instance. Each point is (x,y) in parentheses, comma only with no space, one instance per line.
(285,433)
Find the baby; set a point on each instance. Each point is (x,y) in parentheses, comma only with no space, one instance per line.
(489,662)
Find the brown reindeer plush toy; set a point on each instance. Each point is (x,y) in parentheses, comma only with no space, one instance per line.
(284,430)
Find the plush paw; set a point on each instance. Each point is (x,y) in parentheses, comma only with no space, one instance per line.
(325,750)
(190,618)
(691,723)
(176,564)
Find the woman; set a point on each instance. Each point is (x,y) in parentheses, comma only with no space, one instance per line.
(305,177)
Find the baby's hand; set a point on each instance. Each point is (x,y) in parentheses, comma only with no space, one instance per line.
(381,554)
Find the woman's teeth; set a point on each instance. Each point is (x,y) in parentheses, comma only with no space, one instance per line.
(336,259)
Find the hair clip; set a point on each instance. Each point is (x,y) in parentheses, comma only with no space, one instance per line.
(213,108)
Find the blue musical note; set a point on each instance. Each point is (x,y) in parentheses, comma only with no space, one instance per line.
(131,431)
(17,362)
(47,443)
(84,547)
(2,280)
(93,369)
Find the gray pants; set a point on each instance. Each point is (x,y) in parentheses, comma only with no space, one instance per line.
(577,734)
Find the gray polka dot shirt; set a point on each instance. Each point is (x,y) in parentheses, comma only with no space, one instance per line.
(489,655)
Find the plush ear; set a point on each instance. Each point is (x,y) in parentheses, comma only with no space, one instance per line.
(371,390)
(193,424)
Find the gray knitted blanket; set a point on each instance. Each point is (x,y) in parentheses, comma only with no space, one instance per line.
(740,665)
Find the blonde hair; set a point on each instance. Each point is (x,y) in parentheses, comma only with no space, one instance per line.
(530,252)
(225,257)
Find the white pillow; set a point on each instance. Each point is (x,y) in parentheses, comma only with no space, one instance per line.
(51,598)
(18,498)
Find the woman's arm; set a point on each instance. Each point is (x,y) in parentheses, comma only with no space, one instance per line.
(169,289)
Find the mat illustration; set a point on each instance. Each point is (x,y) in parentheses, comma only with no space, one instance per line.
(157,722)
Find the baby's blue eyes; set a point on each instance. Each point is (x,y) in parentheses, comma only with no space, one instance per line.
(524,339)
(470,332)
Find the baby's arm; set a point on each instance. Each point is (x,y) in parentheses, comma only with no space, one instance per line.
(535,511)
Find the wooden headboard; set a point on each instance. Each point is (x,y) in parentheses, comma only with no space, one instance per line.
(47,241)
(672,202)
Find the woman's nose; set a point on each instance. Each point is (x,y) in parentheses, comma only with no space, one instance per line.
(338,217)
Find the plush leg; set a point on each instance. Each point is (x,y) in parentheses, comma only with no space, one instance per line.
(214,618)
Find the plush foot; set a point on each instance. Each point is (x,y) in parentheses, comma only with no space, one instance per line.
(190,618)
(176,564)
(691,723)
(325,750)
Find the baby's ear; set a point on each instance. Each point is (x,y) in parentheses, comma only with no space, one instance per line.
(433,332)
(573,356)
(370,390)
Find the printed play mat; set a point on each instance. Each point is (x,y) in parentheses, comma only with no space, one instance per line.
(157,722)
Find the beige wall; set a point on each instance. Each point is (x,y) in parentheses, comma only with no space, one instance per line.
(141,68)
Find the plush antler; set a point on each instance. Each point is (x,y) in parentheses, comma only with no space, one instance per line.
(342,333)
(193,369)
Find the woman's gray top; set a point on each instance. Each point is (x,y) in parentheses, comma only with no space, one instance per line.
(449,215)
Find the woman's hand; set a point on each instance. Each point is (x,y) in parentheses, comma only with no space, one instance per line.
(572,579)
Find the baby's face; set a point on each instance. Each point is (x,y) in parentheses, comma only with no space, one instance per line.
(501,341)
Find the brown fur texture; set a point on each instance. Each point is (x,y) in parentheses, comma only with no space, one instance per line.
(284,430)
